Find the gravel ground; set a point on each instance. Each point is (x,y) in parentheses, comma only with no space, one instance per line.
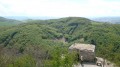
(92,65)
(87,65)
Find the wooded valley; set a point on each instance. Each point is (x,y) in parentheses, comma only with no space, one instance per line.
(42,43)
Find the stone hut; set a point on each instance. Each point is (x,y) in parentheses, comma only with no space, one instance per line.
(85,50)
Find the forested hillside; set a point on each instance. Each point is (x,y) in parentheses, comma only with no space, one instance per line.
(8,22)
(38,42)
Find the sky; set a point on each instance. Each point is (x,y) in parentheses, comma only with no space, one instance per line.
(60,8)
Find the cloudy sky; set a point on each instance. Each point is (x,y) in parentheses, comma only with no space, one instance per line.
(60,8)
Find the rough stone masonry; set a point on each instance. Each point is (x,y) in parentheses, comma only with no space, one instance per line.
(85,50)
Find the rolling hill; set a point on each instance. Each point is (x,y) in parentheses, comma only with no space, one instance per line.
(37,43)
(8,22)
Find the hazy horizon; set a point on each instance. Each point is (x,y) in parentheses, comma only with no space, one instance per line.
(60,8)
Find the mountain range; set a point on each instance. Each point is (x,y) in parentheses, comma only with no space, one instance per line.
(41,43)
(115,20)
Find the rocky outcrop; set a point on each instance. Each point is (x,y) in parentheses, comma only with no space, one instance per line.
(85,50)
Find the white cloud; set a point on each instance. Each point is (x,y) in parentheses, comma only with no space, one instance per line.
(59,8)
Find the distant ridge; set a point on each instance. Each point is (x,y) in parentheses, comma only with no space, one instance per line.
(7,22)
(108,19)
(30,17)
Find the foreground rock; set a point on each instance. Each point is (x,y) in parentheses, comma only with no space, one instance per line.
(85,50)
